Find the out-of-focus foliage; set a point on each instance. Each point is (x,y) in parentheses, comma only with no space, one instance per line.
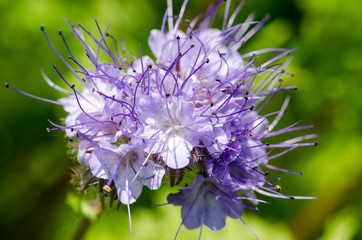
(37,200)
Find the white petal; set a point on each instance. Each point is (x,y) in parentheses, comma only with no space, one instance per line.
(127,193)
(177,152)
(156,172)
(83,155)
(103,163)
(156,42)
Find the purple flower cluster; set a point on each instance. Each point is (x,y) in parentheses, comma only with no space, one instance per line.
(193,109)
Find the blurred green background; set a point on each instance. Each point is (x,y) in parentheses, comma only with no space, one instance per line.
(37,200)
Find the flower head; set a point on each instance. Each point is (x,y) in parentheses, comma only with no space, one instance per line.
(195,107)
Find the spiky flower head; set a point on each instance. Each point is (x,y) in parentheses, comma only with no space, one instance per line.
(195,108)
